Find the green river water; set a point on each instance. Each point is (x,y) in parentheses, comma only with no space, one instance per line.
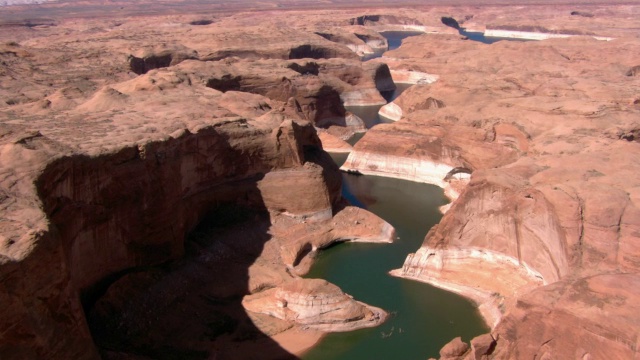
(422,318)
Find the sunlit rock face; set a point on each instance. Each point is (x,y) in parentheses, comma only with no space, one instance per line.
(552,208)
(114,175)
(316,304)
(120,139)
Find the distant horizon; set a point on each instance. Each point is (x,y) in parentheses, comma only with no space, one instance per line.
(17,11)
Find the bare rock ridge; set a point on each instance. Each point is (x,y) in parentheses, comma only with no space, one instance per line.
(544,219)
(316,304)
(102,222)
(317,90)
(169,167)
(113,196)
(362,41)
(156,61)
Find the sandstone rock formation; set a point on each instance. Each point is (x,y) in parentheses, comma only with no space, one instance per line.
(550,211)
(110,176)
(147,162)
(362,41)
(455,349)
(316,304)
(333,143)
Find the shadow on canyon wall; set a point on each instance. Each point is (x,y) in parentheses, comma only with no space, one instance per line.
(191,308)
(158,243)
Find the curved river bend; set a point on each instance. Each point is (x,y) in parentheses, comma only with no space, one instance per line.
(423,318)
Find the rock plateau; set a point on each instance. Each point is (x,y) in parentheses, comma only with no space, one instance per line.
(164,182)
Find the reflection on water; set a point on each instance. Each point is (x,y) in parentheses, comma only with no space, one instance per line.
(479,36)
(339,158)
(423,318)
(392,95)
(394,38)
(368,114)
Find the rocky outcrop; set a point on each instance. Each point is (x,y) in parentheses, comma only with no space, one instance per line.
(593,317)
(634,71)
(109,190)
(162,59)
(423,153)
(334,144)
(389,22)
(362,41)
(413,77)
(455,349)
(578,310)
(368,20)
(317,91)
(316,304)
(391,111)
(551,215)
(408,102)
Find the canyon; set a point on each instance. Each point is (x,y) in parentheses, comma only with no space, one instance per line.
(166,184)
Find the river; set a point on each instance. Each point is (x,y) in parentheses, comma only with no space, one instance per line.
(422,318)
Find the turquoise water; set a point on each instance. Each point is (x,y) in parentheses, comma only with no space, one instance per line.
(422,318)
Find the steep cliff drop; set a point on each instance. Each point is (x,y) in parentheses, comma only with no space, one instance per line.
(544,220)
(147,161)
(138,217)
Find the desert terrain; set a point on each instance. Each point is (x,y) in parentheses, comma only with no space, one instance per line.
(165,183)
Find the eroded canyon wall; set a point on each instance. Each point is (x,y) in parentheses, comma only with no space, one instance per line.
(133,208)
(109,173)
(546,220)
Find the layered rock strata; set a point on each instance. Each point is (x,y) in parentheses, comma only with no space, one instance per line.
(364,42)
(393,110)
(101,189)
(532,35)
(550,139)
(425,153)
(546,207)
(316,304)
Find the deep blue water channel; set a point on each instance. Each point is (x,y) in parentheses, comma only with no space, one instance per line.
(422,318)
